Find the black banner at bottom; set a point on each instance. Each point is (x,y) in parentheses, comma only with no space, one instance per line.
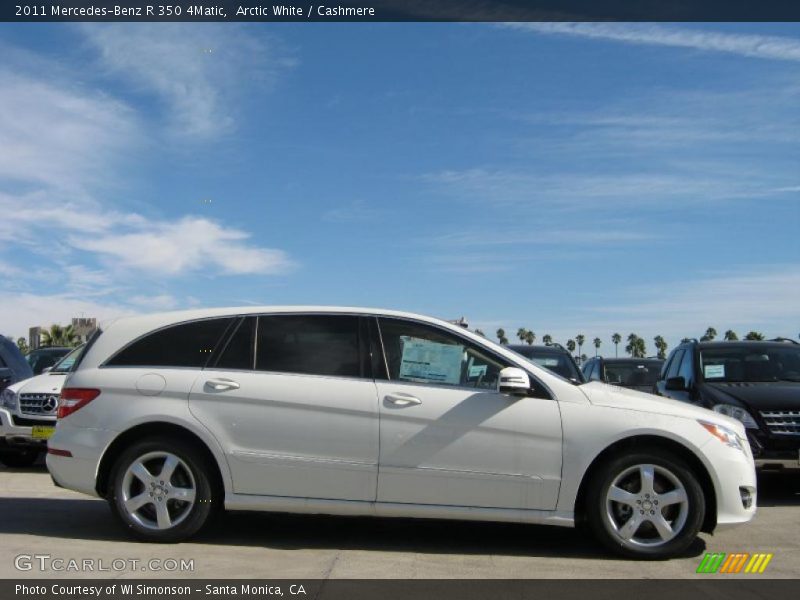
(382,589)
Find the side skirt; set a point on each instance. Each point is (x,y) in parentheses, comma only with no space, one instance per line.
(358,508)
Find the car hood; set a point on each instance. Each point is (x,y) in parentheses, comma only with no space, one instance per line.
(46,383)
(603,394)
(759,395)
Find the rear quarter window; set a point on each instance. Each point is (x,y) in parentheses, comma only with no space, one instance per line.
(184,345)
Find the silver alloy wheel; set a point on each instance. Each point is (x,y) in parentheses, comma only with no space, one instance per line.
(158,490)
(646,506)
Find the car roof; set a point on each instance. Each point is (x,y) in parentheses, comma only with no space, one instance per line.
(629,359)
(747,344)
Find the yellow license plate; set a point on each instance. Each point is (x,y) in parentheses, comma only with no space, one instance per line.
(42,432)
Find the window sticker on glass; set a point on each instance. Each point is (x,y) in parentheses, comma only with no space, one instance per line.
(423,360)
(546,362)
(714,371)
(477,371)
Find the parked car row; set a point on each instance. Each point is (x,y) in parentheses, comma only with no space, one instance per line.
(28,412)
(370,412)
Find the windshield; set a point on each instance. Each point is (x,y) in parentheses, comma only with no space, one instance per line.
(66,364)
(759,363)
(558,363)
(633,373)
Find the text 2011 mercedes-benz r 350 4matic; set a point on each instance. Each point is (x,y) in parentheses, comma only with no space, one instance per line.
(373,412)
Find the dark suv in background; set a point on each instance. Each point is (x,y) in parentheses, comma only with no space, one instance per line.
(639,374)
(552,357)
(756,382)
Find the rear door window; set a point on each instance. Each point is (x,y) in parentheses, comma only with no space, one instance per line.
(238,350)
(184,345)
(310,344)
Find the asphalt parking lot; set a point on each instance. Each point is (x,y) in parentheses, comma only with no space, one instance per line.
(37,518)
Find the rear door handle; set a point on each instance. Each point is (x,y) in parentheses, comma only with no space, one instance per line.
(403,399)
(222,384)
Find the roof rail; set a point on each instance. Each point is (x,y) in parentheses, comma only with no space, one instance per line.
(783,339)
(690,341)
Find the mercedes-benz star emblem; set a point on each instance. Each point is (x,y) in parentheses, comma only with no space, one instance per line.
(50,404)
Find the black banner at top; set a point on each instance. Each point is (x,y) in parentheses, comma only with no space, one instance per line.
(400,10)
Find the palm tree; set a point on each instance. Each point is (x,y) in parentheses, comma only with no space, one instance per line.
(754,335)
(521,333)
(22,344)
(597,342)
(580,339)
(571,346)
(547,339)
(636,346)
(661,346)
(616,339)
(59,336)
(501,336)
(530,337)
(709,335)
(480,332)
(730,336)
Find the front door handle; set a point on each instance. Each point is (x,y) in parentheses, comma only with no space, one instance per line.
(403,399)
(222,385)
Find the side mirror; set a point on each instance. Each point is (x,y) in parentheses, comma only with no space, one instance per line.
(513,381)
(675,384)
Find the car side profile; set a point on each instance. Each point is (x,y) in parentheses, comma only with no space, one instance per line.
(353,411)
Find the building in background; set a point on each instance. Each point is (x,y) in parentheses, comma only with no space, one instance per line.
(83,327)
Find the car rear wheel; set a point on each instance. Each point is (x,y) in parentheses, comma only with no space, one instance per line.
(646,505)
(19,459)
(161,490)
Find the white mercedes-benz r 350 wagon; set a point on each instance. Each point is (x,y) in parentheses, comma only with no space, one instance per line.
(354,411)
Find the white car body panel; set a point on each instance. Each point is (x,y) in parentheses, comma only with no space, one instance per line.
(458,454)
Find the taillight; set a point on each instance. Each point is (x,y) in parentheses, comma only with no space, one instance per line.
(73,399)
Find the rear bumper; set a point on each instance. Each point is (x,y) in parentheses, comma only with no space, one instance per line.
(85,446)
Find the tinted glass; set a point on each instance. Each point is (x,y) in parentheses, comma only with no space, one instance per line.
(675,364)
(184,345)
(423,354)
(751,363)
(238,352)
(685,370)
(309,344)
(558,362)
(632,373)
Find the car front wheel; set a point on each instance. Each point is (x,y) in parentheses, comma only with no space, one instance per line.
(161,491)
(646,505)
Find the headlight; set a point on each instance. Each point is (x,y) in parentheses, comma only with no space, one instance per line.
(740,414)
(725,435)
(8,399)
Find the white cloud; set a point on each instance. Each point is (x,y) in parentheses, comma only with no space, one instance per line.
(189,244)
(57,135)
(757,46)
(196,69)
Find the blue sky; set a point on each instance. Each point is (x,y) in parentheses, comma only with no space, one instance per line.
(568,178)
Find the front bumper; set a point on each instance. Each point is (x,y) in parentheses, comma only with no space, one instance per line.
(734,478)
(774,452)
(16,430)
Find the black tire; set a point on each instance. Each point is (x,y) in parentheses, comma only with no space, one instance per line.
(606,518)
(19,459)
(195,469)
